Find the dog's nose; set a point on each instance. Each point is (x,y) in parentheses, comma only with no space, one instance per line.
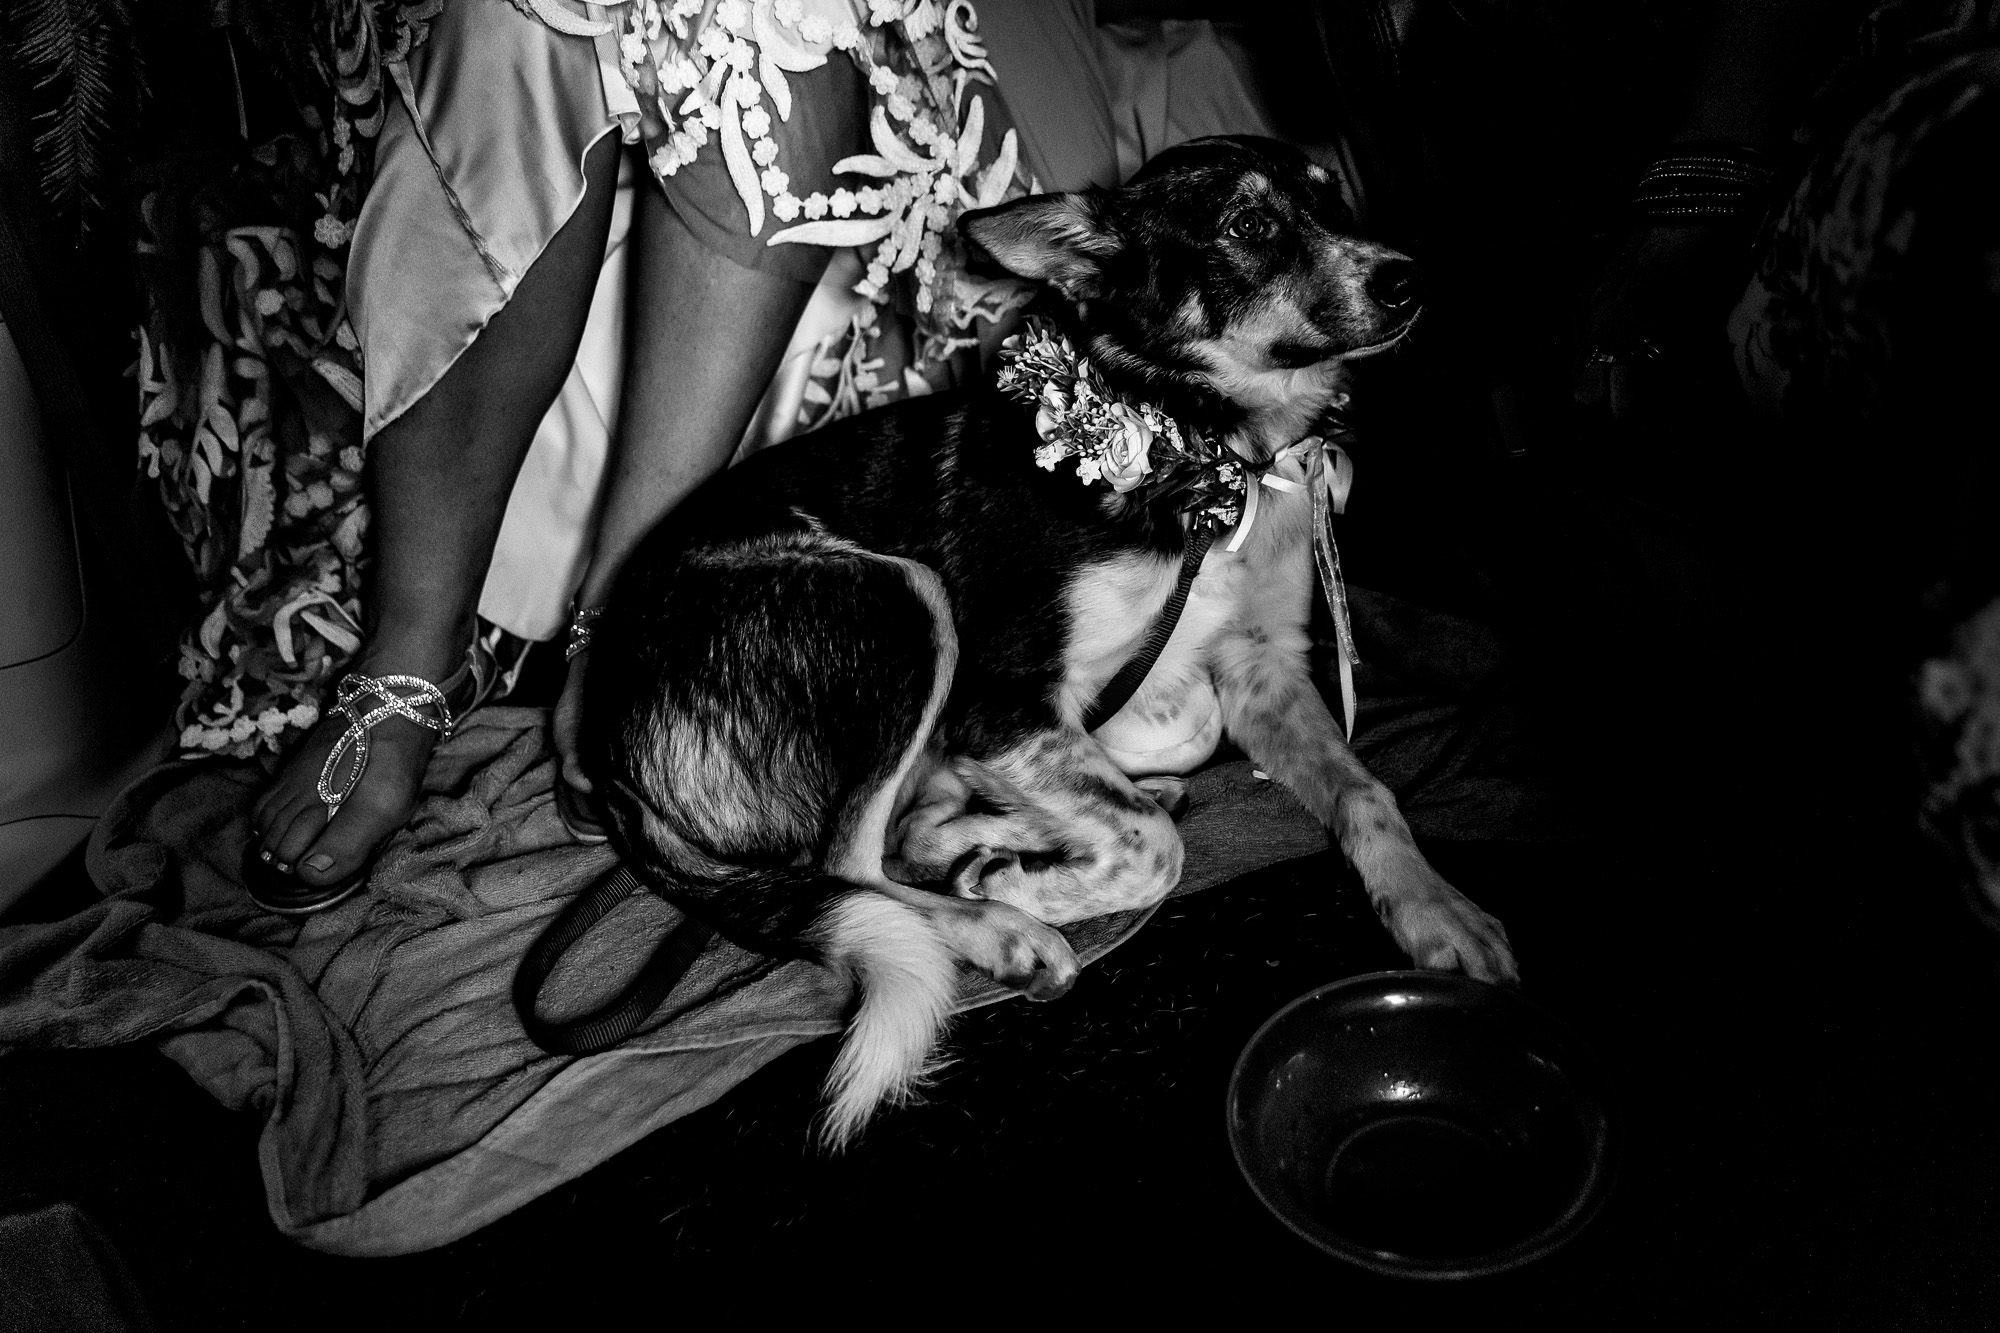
(1394,284)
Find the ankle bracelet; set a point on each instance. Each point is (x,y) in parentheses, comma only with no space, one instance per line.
(580,625)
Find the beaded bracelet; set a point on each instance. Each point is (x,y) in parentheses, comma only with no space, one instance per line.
(1704,180)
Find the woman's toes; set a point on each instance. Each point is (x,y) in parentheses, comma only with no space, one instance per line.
(291,838)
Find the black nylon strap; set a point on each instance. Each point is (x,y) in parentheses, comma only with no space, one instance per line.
(1125,684)
(611,1024)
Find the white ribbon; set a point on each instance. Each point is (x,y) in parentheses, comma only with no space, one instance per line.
(1329,476)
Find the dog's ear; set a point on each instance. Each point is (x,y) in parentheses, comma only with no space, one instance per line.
(1063,240)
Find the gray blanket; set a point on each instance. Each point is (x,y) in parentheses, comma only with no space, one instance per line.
(402,1105)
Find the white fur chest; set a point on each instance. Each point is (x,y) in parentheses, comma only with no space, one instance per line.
(1241,599)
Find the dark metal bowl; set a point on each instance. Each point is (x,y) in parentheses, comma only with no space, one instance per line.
(1422,1124)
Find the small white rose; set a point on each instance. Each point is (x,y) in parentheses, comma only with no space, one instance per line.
(1126,460)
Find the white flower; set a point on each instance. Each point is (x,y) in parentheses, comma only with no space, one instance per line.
(191,737)
(815,205)
(945,189)
(733,15)
(756,122)
(787,12)
(841,202)
(302,715)
(678,75)
(242,729)
(1946,688)
(775,182)
(764,152)
(869,199)
(331,232)
(742,55)
(847,36)
(1126,458)
(882,79)
(815,29)
(901,107)
(711,116)
(785,207)
(632,48)
(877,274)
(884,11)
(713,42)
(270,722)
(665,161)
(350,458)
(1048,455)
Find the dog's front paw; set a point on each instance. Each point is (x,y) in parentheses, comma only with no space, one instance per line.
(1442,929)
(1014,949)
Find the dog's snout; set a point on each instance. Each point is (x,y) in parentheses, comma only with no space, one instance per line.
(1395,285)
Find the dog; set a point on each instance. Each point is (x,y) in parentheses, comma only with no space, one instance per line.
(835,702)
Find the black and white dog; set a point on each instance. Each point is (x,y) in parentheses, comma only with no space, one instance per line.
(834,708)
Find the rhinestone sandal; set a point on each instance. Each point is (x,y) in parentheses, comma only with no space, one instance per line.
(411,698)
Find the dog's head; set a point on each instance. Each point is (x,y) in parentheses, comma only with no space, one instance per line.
(1225,273)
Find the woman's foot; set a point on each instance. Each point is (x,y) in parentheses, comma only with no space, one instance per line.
(299,859)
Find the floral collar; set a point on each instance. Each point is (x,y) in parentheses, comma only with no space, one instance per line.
(1136,446)
(1126,444)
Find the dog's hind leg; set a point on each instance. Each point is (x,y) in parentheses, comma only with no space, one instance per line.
(1272,710)
(903,940)
(1054,829)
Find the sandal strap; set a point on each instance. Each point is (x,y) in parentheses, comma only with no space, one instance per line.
(353,690)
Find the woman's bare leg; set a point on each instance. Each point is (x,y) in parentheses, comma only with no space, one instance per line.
(441,476)
(704,339)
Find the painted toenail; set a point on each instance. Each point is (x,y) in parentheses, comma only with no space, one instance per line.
(319,861)
(265,856)
(282,867)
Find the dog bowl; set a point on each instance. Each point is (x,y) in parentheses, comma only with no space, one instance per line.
(1422,1124)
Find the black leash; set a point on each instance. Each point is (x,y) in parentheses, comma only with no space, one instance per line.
(607,1026)
(1125,684)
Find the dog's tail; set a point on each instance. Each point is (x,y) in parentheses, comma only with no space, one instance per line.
(905,974)
(908,979)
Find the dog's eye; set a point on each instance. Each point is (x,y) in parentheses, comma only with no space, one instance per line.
(1249,225)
